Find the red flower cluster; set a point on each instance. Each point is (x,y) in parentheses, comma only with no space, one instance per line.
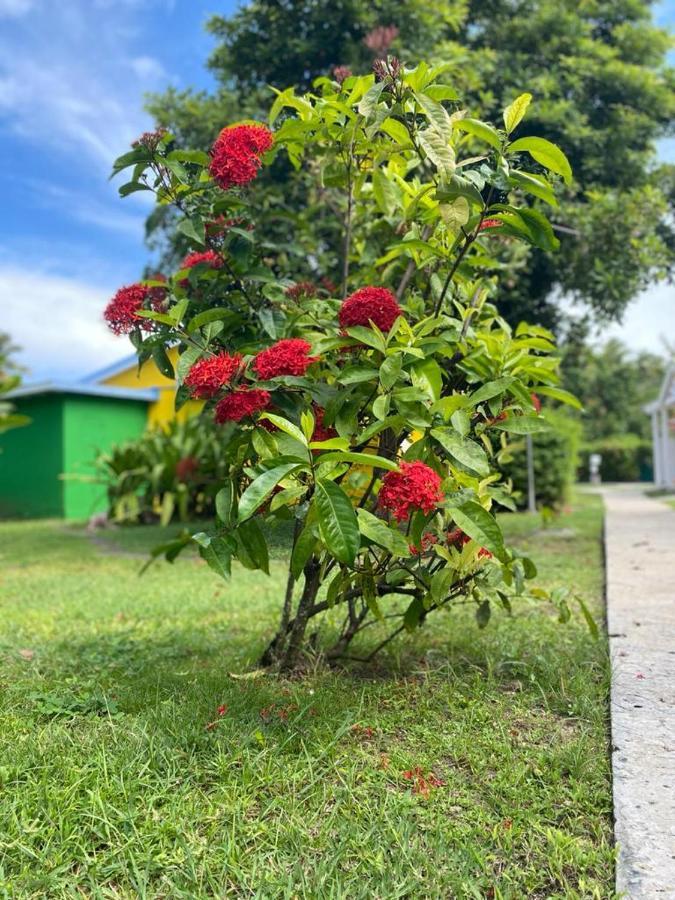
(150,139)
(416,486)
(236,154)
(209,375)
(457,538)
(204,257)
(427,541)
(380,39)
(341,73)
(321,431)
(287,357)
(489,223)
(241,404)
(186,468)
(370,304)
(301,290)
(121,313)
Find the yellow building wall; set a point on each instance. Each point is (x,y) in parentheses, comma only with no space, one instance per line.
(162,410)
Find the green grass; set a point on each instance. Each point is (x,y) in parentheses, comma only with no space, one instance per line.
(113,784)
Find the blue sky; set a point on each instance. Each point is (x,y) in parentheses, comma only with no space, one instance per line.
(73,74)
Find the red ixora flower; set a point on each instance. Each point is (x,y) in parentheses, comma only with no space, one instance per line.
(121,313)
(235,156)
(457,538)
(340,73)
(416,486)
(186,468)
(241,404)
(287,357)
(370,304)
(204,257)
(322,432)
(301,290)
(427,541)
(209,375)
(489,223)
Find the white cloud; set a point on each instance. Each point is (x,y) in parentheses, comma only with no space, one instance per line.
(108,212)
(69,84)
(58,324)
(649,322)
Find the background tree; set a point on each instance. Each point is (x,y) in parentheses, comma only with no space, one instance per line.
(604,91)
(10,378)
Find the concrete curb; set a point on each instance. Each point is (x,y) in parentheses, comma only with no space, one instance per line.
(640,581)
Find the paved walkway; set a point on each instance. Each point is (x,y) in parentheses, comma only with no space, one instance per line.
(640,548)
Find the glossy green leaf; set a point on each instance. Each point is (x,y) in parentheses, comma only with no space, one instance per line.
(260,489)
(547,154)
(463,450)
(381,534)
(480,525)
(513,114)
(337,521)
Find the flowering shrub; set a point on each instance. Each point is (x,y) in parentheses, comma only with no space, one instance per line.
(368,416)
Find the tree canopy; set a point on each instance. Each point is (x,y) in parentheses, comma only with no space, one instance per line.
(603,88)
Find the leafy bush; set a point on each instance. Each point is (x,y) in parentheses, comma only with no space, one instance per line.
(556,457)
(166,473)
(407,369)
(625,457)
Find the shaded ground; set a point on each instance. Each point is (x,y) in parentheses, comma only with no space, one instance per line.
(467,764)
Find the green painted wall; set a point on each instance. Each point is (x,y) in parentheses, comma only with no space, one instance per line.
(31,460)
(90,426)
(66,435)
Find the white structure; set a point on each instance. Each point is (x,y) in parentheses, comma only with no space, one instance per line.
(662,412)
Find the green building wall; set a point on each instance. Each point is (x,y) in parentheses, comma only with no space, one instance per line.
(66,434)
(31,460)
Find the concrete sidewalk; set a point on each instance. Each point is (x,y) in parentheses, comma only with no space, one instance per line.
(640,550)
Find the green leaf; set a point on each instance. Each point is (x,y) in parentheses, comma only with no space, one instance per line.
(260,489)
(427,375)
(390,371)
(208,316)
(369,102)
(381,406)
(480,525)
(386,194)
(225,503)
(523,424)
(303,548)
(253,540)
(131,187)
(483,613)
(441,582)
(590,621)
(534,185)
(470,454)
(491,389)
(380,533)
(547,154)
(514,113)
(438,118)
(561,395)
(368,336)
(217,553)
(337,521)
(413,614)
(480,130)
(363,459)
(162,361)
(287,427)
(193,229)
(457,186)
(439,151)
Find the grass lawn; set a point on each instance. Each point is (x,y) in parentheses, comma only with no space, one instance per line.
(119,778)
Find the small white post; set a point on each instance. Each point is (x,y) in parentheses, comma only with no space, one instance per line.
(656,450)
(666,475)
(531,488)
